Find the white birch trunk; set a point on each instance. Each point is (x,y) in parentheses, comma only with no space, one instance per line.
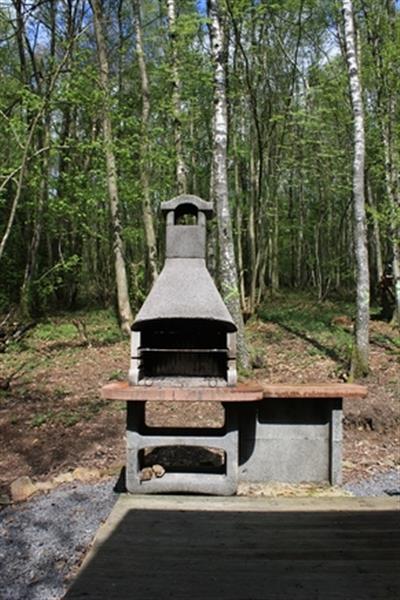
(124,308)
(227,263)
(151,243)
(361,349)
(181,168)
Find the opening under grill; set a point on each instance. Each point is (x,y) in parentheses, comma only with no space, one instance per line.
(183,348)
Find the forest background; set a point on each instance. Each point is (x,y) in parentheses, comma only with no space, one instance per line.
(108,108)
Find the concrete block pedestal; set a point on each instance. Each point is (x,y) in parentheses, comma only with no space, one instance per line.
(291,440)
(286,433)
(139,436)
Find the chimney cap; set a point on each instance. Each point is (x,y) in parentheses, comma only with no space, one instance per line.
(199,203)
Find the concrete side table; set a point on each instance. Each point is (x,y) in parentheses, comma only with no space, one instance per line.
(291,440)
(294,434)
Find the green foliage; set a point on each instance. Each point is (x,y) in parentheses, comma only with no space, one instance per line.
(54,331)
(68,418)
(314,321)
(289,120)
(118,375)
(101,326)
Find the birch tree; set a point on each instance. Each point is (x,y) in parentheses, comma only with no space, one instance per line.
(151,243)
(181,168)
(360,355)
(227,263)
(124,308)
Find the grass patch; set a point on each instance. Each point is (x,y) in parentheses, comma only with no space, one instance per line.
(68,418)
(302,310)
(101,328)
(314,322)
(42,418)
(117,375)
(53,331)
(58,336)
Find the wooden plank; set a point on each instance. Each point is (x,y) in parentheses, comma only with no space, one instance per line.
(121,390)
(317,390)
(336,505)
(157,548)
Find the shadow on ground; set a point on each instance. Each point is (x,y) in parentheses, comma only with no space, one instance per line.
(326,350)
(240,555)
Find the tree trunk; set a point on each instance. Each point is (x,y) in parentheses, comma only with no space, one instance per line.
(394,171)
(227,264)
(376,236)
(193,161)
(300,238)
(124,308)
(275,245)
(144,148)
(385,67)
(392,192)
(360,356)
(181,169)
(252,234)
(30,268)
(239,219)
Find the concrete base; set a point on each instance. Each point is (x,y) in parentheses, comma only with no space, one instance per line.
(139,436)
(278,432)
(291,440)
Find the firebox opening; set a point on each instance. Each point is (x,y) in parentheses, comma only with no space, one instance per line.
(183,459)
(184,348)
(185,334)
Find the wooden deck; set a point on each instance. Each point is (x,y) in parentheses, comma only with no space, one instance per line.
(202,548)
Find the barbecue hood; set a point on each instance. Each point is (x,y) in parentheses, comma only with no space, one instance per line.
(184,332)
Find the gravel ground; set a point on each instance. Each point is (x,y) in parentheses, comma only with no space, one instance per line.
(384,484)
(42,540)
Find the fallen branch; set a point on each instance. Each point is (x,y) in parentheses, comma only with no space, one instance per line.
(13,333)
(5,382)
(82,330)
